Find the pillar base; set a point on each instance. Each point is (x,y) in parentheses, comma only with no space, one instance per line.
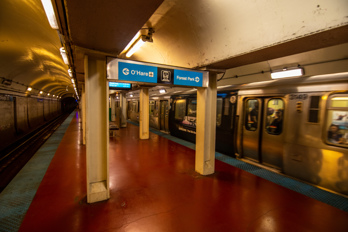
(98,192)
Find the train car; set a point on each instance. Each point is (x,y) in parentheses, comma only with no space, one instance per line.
(298,127)
(158,112)
(182,119)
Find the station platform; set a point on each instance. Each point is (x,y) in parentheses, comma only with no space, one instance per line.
(154,187)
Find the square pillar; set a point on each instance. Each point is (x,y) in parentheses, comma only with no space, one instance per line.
(97,129)
(206,127)
(123,105)
(144,114)
(83,112)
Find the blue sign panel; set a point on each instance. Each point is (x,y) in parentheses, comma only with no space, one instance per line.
(137,72)
(188,78)
(120,85)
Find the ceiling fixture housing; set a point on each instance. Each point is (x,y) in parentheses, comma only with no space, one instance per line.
(137,43)
(291,72)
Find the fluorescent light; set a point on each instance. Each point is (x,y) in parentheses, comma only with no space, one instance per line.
(65,57)
(162,91)
(72,80)
(136,46)
(130,95)
(70,72)
(47,4)
(48,94)
(132,41)
(41,92)
(29,89)
(287,73)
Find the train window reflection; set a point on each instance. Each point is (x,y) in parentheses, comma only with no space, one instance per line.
(274,116)
(191,108)
(180,109)
(218,111)
(252,114)
(337,121)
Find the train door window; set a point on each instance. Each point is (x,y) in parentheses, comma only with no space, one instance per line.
(337,120)
(191,108)
(152,107)
(274,116)
(226,106)
(313,114)
(251,114)
(180,109)
(218,111)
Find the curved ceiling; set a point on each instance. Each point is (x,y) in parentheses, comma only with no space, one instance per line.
(195,34)
(29,50)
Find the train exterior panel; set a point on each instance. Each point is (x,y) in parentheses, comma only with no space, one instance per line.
(301,145)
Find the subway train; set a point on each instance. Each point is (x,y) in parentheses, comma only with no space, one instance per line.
(298,127)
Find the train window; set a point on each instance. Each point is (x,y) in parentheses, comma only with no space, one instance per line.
(180,109)
(152,107)
(313,115)
(191,108)
(226,106)
(274,118)
(218,111)
(337,121)
(251,114)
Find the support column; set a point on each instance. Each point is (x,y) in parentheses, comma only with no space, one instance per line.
(144,114)
(97,130)
(83,112)
(112,106)
(206,128)
(123,105)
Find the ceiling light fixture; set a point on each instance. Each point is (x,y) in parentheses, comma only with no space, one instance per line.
(47,4)
(41,92)
(29,89)
(141,40)
(64,55)
(295,72)
(162,91)
(70,72)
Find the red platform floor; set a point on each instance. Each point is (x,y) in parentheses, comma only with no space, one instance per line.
(154,187)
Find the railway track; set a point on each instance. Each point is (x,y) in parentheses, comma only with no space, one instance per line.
(15,156)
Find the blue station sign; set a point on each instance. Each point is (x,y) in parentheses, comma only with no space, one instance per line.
(132,71)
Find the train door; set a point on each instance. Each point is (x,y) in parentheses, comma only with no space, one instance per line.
(166,120)
(263,131)
(163,115)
